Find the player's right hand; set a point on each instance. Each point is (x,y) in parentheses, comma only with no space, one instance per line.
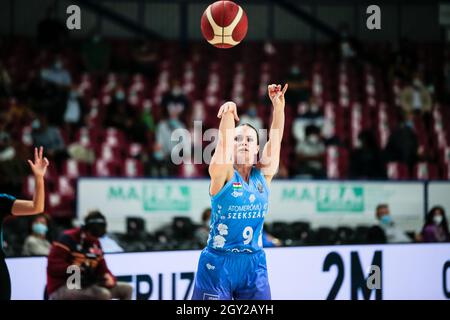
(228,106)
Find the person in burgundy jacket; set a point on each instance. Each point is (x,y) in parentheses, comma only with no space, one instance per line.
(76,267)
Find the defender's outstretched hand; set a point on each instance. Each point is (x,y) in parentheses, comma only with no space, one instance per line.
(39,167)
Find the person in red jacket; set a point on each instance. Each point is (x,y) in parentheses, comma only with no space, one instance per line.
(76,267)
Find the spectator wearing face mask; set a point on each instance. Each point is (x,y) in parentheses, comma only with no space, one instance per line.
(415,98)
(80,247)
(36,244)
(175,98)
(57,74)
(310,154)
(251,117)
(162,163)
(392,232)
(436,226)
(307,114)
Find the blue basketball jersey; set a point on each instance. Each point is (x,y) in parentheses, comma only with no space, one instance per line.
(238,212)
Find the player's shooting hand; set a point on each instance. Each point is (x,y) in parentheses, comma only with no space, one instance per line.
(228,106)
(276,95)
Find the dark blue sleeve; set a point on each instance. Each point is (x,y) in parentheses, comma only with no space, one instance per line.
(6,203)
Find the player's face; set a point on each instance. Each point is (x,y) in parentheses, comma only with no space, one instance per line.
(245,145)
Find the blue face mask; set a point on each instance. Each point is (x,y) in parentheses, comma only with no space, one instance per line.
(251,113)
(40,228)
(386,220)
(409,124)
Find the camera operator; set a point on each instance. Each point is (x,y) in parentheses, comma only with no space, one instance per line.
(80,247)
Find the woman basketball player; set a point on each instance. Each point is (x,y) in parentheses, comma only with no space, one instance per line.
(11,205)
(233,264)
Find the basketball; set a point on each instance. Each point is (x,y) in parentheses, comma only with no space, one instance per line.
(224,24)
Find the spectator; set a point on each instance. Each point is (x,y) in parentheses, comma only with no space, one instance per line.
(176,99)
(402,145)
(310,154)
(36,244)
(96,54)
(436,226)
(5,82)
(73,112)
(57,74)
(299,87)
(392,233)
(347,51)
(50,138)
(161,160)
(81,247)
(415,97)
(366,160)
(145,58)
(307,114)
(12,168)
(251,117)
(202,232)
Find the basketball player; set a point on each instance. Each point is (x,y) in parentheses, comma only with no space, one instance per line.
(11,205)
(233,264)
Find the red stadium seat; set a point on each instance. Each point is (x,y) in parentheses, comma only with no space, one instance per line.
(104,168)
(425,171)
(74,169)
(132,168)
(397,171)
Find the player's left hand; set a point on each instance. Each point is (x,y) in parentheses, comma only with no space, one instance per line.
(39,167)
(276,95)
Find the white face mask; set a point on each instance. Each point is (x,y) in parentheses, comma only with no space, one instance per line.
(437,219)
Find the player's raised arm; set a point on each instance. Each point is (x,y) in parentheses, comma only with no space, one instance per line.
(271,153)
(29,207)
(221,166)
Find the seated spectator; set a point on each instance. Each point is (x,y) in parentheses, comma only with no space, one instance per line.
(436,226)
(310,154)
(176,99)
(36,244)
(251,117)
(96,54)
(12,167)
(402,145)
(366,161)
(50,138)
(57,74)
(145,58)
(162,155)
(202,232)
(81,247)
(299,87)
(5,82)
(415,97)
(392,233)
(307,114)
